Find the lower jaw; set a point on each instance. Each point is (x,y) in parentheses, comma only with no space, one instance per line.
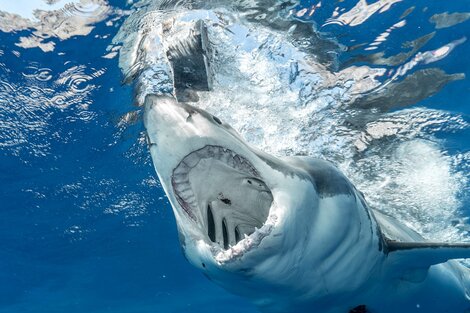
(246,245)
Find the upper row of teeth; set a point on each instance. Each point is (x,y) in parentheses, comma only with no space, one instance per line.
(180,174)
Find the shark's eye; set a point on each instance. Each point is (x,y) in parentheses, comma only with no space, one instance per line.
(217,120)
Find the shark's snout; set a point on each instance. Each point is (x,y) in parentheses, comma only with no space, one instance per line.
(165,110)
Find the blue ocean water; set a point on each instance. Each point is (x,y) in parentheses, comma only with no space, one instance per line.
(84,224)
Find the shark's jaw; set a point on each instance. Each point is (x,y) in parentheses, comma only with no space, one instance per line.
(225,197)
(180,178)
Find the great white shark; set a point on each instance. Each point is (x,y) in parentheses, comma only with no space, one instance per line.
(292,234)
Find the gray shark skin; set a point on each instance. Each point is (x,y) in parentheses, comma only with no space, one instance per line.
(291,234)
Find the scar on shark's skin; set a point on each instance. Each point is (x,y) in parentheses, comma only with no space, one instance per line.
(225,200)
(293,234)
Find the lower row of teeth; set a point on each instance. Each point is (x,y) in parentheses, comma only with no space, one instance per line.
(248,243)
(226,242)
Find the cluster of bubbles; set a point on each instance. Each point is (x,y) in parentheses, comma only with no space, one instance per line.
(270,85)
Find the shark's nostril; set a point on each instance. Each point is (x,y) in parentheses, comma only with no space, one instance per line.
(210,224)
(225,233)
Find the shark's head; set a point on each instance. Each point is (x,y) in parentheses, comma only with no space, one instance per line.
(209,173)
(212,177)
(249,221)
(225,195)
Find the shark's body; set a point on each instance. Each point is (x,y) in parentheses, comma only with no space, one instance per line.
(312,244)
(290,234)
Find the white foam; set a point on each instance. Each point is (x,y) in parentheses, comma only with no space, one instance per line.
(281,101)
(417,183)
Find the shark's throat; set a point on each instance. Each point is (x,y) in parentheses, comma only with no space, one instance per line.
(223,193)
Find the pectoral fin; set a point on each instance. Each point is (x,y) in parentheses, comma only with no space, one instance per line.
(407,250)
(428,253)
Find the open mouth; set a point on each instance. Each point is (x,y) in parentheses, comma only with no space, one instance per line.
(224,194)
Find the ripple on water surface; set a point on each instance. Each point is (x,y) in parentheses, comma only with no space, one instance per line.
(33,105)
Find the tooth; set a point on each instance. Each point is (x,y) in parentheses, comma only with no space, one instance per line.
(186,195)
(231,162)
(202,154)
(218,153)
(193,204)
(178,171)
(225,157)
(180,178)
(181,169)
(192,160)
(212,151)
(254,172)
(237,161)
(183,187)
(191,198)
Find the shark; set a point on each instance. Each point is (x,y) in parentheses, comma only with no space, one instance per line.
(291,234)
